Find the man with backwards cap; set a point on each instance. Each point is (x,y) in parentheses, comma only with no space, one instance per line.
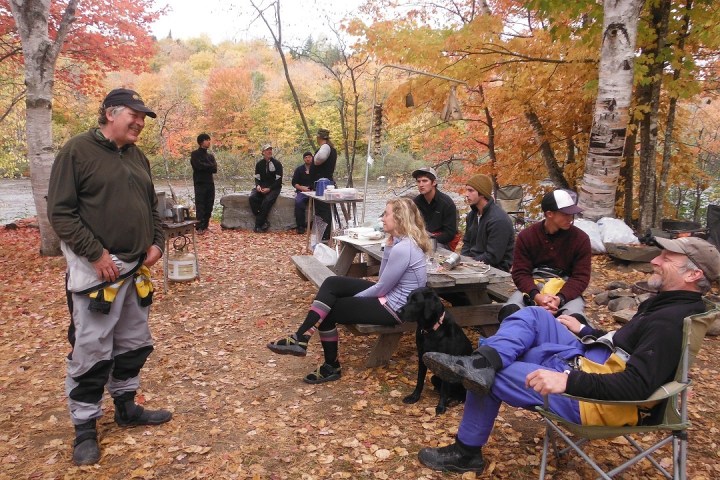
(102,205)
(551,261)
(268,183)
(437,209)
(534,354)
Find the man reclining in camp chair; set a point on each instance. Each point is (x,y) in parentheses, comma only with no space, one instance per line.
(535,354)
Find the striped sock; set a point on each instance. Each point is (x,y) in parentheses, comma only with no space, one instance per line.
(318,312)
(329,340)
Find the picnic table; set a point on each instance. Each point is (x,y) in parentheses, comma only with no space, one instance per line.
(480,283)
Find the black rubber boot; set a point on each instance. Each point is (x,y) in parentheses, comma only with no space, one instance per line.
(506,311)
(456,457)
(86,450)
(129,414)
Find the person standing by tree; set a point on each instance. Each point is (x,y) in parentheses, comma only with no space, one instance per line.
(323,166)
(268,182)
(302,181)
(437,208)
(204,166)
(103,207)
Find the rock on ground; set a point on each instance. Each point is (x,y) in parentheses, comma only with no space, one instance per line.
(237,214)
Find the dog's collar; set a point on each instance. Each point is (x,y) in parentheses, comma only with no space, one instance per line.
(436,326)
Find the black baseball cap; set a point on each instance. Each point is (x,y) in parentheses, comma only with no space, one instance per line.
(129,98)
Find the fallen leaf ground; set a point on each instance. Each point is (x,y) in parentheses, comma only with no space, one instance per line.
(241,411)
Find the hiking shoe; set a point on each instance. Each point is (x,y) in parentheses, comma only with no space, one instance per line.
(86,450)
(452,458)
(473,371)
(291,345)
(130,414)
(324,373)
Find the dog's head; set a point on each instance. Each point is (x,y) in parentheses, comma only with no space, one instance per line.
(423,306)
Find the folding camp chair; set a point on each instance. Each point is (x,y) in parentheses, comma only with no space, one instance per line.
(510,198)
(674,423)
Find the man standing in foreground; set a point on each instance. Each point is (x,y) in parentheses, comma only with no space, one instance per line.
(489,235)
(535,354)
(204,166)
(102,205)
(437,209)
(268,182)
(302,181)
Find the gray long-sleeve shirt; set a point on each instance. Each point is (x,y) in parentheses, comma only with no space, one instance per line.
(403,269)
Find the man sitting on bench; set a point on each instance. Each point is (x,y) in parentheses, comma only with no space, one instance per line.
(535,354)
(347,300)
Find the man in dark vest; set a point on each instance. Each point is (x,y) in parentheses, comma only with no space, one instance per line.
(323,166)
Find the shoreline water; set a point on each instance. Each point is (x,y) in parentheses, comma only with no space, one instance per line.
(16,201)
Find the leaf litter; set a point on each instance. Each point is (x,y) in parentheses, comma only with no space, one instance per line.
(241,412)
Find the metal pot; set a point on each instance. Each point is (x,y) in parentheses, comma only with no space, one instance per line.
(180,213)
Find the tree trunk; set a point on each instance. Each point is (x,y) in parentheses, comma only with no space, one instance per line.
(40,53)
(650,101)
(610,119)
(554,171)
(277,41)
(626,173)
(670,123)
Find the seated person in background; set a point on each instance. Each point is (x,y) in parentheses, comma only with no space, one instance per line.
(535,354)
(302,181)
(437,209)
(268,182)
(550,254)
(489,234)
(347,300)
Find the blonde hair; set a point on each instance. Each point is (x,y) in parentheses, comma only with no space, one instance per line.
(409,222)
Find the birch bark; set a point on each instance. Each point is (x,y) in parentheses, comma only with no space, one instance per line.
(40,53)
(610,120)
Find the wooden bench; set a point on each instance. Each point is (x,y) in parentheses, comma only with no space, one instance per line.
(310,268)
(484,316)
(501,291)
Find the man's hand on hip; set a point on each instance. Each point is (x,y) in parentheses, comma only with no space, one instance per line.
(152,255)
(105,268)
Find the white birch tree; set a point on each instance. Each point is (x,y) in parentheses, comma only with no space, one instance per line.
(41,53)
(611,115)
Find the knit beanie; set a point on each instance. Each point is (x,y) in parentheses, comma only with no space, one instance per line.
(481,183)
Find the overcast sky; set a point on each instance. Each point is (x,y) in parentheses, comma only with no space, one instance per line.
(233,19)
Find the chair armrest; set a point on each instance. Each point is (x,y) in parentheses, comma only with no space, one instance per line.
(666,390)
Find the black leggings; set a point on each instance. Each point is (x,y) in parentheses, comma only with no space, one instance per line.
(345,309)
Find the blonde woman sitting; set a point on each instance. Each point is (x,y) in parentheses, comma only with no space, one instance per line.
(348,300)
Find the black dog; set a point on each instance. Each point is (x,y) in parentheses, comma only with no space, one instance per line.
(436,332)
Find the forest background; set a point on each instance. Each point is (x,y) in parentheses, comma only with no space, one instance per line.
(530,67)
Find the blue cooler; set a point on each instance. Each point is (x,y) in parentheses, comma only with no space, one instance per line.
(320,185)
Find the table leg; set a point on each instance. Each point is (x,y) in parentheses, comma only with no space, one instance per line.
(165,264)
(345,259)
(197,257)
(383,350)
(310,215)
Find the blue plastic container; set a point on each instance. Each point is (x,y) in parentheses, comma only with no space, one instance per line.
(320,185)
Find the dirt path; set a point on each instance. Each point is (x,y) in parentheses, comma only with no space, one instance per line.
(241,411)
